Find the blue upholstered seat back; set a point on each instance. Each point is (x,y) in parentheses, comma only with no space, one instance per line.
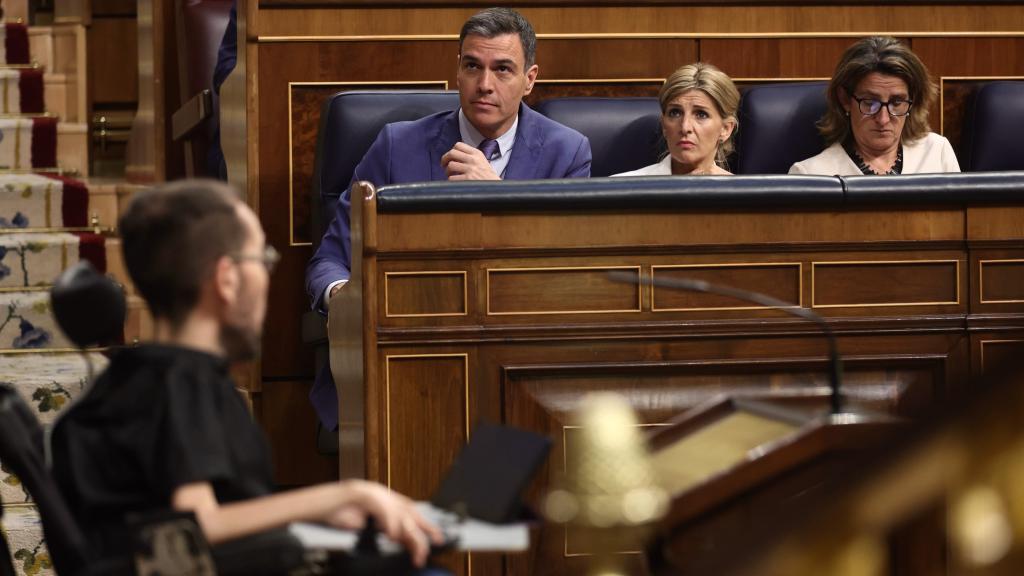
(993,126)
(777,126)
(624,133)
(349,123)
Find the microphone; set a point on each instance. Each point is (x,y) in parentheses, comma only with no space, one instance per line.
(693,285)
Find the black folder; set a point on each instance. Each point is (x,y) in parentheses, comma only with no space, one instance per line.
(491,472)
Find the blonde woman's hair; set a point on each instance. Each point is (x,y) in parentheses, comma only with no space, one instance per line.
(717,85)
(885,55)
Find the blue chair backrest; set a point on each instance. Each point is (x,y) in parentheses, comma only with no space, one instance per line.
(993,126)
(624,133)
(349,123)
(777,126)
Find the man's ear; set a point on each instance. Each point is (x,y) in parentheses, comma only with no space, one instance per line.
(226,280)
(531,77)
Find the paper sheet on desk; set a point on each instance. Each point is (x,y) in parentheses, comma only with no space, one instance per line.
(471,535)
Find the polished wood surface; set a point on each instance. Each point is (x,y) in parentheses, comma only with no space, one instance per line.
(540,325)
(297,55)
(850,18)
(759,461)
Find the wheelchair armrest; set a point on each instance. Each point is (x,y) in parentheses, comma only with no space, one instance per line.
(191,115)
(273,552)
(314,328)
(172,540)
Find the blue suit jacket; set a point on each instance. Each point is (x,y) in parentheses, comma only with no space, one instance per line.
(407,152)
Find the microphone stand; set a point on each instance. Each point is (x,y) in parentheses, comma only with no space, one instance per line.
(692,285)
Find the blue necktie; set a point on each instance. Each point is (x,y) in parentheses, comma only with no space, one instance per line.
(490,149)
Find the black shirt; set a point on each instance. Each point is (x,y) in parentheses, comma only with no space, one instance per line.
(159,417)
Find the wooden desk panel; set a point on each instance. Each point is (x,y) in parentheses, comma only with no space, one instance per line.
(509,318)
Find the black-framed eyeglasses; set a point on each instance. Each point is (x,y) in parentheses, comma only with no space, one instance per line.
(871,106)
(269,258)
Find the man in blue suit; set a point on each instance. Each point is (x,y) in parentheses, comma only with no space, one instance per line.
(492,136)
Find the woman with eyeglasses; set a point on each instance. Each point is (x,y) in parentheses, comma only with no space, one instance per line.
(877,116)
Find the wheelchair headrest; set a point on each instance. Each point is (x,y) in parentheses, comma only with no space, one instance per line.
(89,306)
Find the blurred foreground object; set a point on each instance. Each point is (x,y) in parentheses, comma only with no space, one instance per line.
(611,491)
(965,466)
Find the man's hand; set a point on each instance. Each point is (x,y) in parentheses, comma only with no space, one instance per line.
(396,516)
(464,162)
(334,290)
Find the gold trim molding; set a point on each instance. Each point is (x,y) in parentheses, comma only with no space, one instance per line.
(814,303)
(800,284)
(465,293)
(942,92)
(982,344)
(269,39)
(442,84)
(981,280)
(639,290)
(387,396)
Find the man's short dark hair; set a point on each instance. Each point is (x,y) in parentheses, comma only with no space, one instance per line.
(498,22)
(173,235)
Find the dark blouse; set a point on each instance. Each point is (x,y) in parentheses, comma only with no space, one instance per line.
(159,417)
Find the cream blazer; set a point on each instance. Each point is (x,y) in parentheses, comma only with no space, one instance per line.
(663,168)
(930,154)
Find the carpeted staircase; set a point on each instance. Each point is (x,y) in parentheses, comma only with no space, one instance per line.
(47,223)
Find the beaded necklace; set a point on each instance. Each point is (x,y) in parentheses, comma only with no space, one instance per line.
(897,166)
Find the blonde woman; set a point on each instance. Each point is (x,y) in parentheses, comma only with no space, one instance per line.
(698,121)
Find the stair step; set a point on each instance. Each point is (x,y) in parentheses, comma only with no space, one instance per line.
(58,49)
(21,91)
(24,532)
(30,201)
(73,148)
(61,98)
(31,261)
(27,323)
(48,382)
(16,10)
(14,45)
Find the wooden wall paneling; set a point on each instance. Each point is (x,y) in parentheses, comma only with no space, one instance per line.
(774,57)
(426,413)
(484,3)
(305,102)
(402,232)
(993,351)
(290,424)
(542,396)
(850,18)
(112,7)
(560,290)
(960,57)
(783,281)
(997,274)
(1001,280)
(560,58)
(887,283)
(282,66)
(113,65)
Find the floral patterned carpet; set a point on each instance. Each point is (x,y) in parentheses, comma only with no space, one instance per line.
(43,230)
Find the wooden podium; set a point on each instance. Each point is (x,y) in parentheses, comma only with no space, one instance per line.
(732,461)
